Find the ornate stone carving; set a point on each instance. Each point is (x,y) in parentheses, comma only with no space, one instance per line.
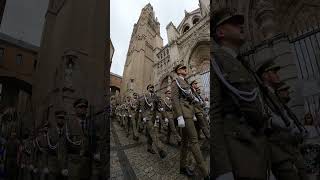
(265,18)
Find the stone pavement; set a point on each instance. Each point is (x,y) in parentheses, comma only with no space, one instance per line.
(130,159)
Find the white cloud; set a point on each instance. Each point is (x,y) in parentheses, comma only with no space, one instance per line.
(124,13)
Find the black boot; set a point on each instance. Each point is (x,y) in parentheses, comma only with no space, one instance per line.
(162,154)
(151,151)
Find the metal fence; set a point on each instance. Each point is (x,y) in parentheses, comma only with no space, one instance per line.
(205,81)
(306,48)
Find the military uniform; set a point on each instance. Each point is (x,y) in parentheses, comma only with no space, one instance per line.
(286,160)
(148,108)
(237,112)
(201,123)
(168,113)
(53,142)
(10,132)
(77,146)
(133,111)
(26,162)
(184,110)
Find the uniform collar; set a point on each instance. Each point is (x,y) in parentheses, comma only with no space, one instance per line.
(181,77)
(232,52)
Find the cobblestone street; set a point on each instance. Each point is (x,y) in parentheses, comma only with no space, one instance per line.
(130,159)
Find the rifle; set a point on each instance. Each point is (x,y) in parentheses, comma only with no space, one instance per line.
(278,107)
(189,95)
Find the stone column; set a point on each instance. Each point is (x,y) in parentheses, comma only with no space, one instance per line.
(265,18)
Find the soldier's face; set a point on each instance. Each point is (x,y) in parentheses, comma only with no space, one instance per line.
(60,121)
(151,89)
(81,110)
(195,85)
(232,33)
(182,71)
(272,77)
(168,94)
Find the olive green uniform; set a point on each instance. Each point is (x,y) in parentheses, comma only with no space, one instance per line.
(238,137)
(182,106)
(133,116)
(148,108)
(171,121)
(77,149)
(286,159)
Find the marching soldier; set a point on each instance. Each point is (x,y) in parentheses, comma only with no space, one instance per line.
(184,111)
(169,116)
(56,147)
(148,108)
(286,160)
(10,132)
(237,108)
(134,112)
(26,158)
(201,123)
(77,143)
(129,113)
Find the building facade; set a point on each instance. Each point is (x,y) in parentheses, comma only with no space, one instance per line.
(144,44)
(73,58)
(18,61)
(148,61)
(188,44)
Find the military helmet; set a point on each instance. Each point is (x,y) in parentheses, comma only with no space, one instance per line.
(179,66)
(267,66)
(226,15)
(149,86)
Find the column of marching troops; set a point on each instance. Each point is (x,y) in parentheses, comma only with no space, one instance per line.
(151,113)
(71,149)
(254,132)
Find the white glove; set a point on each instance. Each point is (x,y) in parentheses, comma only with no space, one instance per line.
(64,172)
(96,156)
(130,116)
(46,170)
(227,176)
(166,120)
(161,109)
(144,120)
(140,111)
(31,167)
(194,118)
(181,122)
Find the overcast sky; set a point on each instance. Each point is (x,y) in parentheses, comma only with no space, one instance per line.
(23,19)
(124,13)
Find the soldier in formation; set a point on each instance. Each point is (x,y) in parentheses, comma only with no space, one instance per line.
(172,130)
(183,102)
(149,107)
(252,122)
(285,136)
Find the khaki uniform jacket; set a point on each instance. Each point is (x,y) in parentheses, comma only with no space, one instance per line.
(235,141)
(148,106)
(167,106)
(181,106)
